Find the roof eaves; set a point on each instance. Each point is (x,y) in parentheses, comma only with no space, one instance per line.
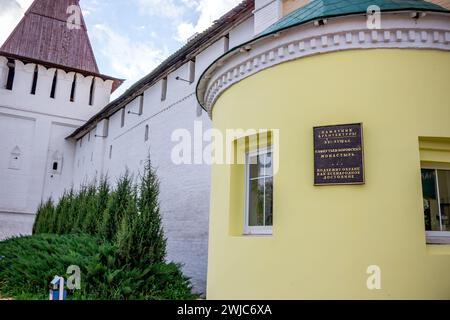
(271,31)
(318,10)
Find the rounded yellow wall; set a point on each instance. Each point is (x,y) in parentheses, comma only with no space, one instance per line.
(326,237)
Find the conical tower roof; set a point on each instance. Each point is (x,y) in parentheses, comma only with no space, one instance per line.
(50,34)
(43,36)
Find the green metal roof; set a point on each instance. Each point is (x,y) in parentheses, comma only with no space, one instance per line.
(320,9)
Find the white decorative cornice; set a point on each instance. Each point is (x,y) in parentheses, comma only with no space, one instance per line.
(398,30)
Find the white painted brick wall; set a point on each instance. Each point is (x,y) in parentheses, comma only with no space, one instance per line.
(267,12)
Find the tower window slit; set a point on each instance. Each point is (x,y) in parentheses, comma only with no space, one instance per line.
(54,83)
(122,118)
(92,92)
(164,89)
(141,104)
(35,80)
(147,129)
(74,87)
(226,44)
(191,66)
(11,74)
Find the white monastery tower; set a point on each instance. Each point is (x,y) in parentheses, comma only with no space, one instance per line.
(49,86)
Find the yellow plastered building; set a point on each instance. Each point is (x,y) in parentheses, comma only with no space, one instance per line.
(274,233)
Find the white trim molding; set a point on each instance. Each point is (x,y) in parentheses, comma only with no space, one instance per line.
(398,30)
(436,237)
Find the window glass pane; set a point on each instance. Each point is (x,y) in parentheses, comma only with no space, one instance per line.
(268,164)
(256,203)
(430,201)
(269,202)
(255,167)
(444,196)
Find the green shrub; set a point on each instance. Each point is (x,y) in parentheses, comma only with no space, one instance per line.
(44,215)
(28,264)
(96,207)
(62,217)
(128,260)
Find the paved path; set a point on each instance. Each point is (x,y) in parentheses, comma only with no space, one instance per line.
(14,224)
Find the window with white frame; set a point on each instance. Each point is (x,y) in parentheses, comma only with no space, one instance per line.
(259,192)
(436,203)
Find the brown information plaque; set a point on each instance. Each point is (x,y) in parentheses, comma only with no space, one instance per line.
(339,155)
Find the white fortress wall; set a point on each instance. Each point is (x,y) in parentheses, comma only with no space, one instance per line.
(36,160)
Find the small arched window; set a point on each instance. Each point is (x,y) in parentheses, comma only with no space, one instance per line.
(147,129)
(57,163)
(15,159)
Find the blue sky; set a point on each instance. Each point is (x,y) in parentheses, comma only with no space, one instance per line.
(131,37)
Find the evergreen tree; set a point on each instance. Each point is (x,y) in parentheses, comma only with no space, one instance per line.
(63,213)
(125,231)
(97,202)
(116,208)
(145,242)
(43,217)
(78,210)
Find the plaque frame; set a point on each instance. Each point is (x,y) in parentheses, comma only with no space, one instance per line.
(363,165)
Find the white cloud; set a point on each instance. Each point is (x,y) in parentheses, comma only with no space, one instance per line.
(209,10)
(178,10)
(11,11)
(125,58)
(25,3)
(162,8)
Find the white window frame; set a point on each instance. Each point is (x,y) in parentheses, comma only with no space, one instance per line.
(254,230)
(437,237)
